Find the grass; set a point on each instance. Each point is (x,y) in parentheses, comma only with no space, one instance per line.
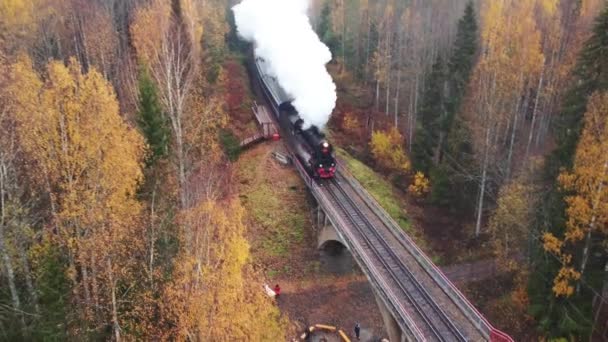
(277,211)
(378,187)
(230,144)
(386,195)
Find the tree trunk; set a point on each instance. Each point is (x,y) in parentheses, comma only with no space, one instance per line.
(343,38)
(414,113)
(514,130)
(388,69)
(397,95)
(388,91)
(534,112)
(152,236)
(377,95)
(600,306)
(115,325)
(28,276)
(482,188)
(6,258)
(369,29)
(596,203)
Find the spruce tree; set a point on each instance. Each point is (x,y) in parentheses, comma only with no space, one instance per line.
(589,75)
(462,61)
(431,113)
(324,30)
(151,120)
(441,102)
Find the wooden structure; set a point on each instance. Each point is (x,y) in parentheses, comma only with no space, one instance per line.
(267,127)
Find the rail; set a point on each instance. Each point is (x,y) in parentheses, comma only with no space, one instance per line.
(416,294)
(404,320)
(432,270)
(437,276)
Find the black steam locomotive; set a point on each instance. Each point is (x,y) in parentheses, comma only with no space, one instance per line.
(309,145)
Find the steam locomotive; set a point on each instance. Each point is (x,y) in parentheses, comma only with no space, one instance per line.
(309,145)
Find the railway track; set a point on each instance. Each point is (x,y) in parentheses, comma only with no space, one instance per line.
(432,321)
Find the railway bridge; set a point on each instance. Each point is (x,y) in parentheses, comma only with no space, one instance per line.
(416,300)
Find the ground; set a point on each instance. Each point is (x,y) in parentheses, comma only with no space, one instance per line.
(315,287)
(492,297)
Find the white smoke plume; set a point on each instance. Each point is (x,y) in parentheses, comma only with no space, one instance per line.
(284,38)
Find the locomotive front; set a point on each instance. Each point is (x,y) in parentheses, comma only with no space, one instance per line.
(326,164)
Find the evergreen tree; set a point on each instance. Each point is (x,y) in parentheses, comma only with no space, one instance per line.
(151,119)
(431,113)
(438,132)
(324,30)
(462,61)
(590,74)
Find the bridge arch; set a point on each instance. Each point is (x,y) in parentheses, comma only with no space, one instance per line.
(333,247)
(329,238)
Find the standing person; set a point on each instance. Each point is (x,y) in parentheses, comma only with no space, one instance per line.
(277,290)
(357,330)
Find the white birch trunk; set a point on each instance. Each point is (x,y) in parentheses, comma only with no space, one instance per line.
(534,113)
(8,265)
(482,188)
(115,323)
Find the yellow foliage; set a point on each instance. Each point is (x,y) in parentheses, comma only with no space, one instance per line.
(150,27)
(87,161)
(387,149)
(549,7)
(420,186)
(209,298)
(562,284)
(587,207)
(351,124)
(17,13)
(552,244)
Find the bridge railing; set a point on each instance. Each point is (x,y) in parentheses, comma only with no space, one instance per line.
(447,286)
(405,321)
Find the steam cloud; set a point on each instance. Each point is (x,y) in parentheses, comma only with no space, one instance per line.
(285,39)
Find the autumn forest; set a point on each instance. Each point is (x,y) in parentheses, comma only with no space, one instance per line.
(122,213)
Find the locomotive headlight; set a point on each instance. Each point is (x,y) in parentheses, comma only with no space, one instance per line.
(325,144)
(320,165)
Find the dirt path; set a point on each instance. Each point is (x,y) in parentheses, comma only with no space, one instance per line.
(341,301)
(471,271)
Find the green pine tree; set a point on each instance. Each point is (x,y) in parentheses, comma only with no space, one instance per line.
(462,60)
(431,113)
(590,74)
(439,132)
(151,119)
(325,31)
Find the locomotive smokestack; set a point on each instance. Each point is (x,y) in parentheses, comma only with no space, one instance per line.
(284,38)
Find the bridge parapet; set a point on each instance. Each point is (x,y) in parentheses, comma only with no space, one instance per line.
(384,294)
(408,330)
(447,286)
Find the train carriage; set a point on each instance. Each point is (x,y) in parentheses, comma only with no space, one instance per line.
(309,145)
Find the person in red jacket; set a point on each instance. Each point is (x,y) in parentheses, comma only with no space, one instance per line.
(277,290)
